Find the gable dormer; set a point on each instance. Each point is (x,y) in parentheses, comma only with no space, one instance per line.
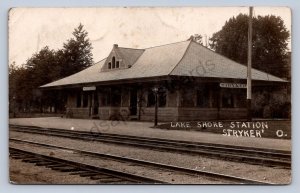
(114,60)
(121,58)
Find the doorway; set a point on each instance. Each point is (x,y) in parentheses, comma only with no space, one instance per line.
(133,102)
(96,104)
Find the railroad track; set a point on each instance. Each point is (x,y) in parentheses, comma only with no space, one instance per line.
(257,156)
(227,179)
(101,175)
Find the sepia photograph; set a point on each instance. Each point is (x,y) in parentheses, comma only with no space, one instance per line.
(150,95)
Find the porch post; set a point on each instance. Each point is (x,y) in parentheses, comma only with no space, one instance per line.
(92,103)
(219,102)
(81,101)
(155,90)
(210,97)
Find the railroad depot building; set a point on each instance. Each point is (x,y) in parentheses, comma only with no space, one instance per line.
(191,82)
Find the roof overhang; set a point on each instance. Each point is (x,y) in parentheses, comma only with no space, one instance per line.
(157,79)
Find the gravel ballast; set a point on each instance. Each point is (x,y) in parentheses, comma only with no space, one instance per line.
(267,174)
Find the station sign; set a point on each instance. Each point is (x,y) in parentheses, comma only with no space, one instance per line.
(89,88)
(233,85)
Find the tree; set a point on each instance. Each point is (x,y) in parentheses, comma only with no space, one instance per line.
(77,52)
(196,38)
(46,66)
(14,74)
(270,36)
(24,81)
(41,68)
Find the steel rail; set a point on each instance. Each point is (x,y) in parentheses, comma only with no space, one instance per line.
(214,175)
(232,153)
(84,170)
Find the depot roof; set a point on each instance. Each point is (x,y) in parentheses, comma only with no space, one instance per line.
(185,58)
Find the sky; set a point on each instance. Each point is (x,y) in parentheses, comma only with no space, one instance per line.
(31,29)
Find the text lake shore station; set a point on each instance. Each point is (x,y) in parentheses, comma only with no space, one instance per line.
(190,82)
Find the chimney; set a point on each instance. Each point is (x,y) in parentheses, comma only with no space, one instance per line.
(115,45)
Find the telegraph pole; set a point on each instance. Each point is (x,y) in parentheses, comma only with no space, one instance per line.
(249,114)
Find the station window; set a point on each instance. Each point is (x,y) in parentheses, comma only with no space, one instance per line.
(203,97)
(162,98)
(78,102)
(227,100)
(113,61)
(214,98)
(105,98)
(116,97)
(187,98)
(241,99)
(151,99)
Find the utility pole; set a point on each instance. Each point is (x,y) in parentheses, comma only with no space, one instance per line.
(206,43)
(249,86)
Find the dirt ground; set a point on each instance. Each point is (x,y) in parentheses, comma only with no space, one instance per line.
(144,129)
(27,173)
